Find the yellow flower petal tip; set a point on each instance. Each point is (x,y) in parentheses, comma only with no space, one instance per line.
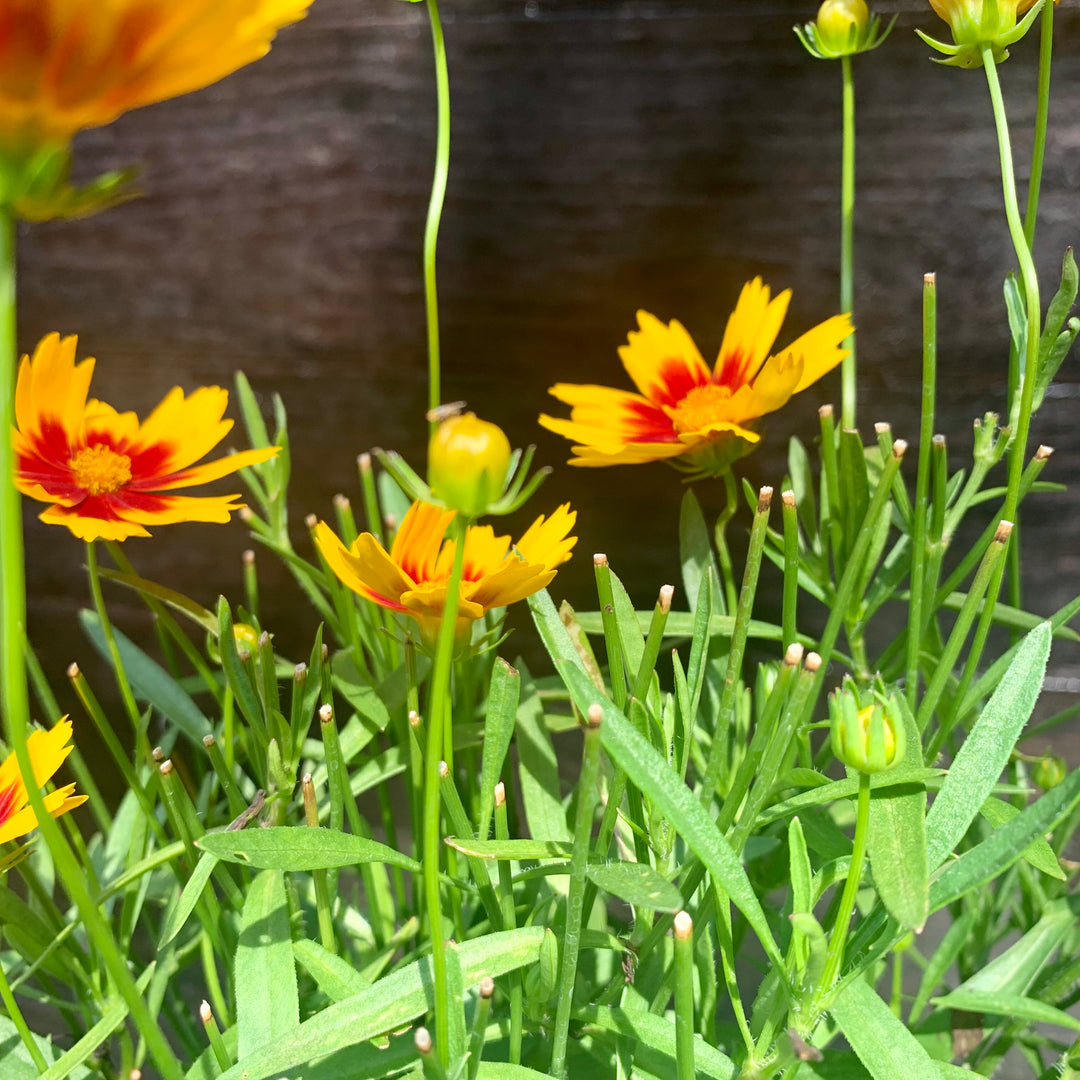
(699,419)
(66,65)
(47,750)
(412,577)
(105,475)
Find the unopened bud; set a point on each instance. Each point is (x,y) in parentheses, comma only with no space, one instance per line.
(468,459)
(1050,771)
(868,738)
(246,637)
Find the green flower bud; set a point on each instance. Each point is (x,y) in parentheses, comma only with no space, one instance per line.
(840,24)
(868,739)
(1050,771)
(977,24)
(467,463)
(246,637)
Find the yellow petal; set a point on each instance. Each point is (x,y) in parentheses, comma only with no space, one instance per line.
(515,581)
(181,430)
(547,541)
(91,528)
(419,538)
(366,569)
(750,333)
(215,470)
(663,360)
(52,388)
(56,803)
(631,454)
(820,349)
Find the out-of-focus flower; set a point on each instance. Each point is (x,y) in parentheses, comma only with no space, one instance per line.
(66,65)
(842,28)
(704,419)
(412,578)
(106,475)
(1026,5)
(47,750)
(869,739)
(979,24)
(467,463)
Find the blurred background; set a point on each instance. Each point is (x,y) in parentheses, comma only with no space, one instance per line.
(606,156)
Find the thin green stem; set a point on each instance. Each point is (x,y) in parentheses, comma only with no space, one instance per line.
(731,505)
(1030,281)
(835,956)
(1042,115)
(575,906)
(922,488)
(791,568)
(11,1006)
(435,206)
(684,997)
(847,231)
(439,715)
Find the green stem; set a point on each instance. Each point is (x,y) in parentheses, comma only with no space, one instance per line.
(575,906)
(439,714)
(731,505)
(791,568)
(1030,281)
(435,206)
(684,996)
(835,957)
(1042,114)
(11,1006)
(847,221)
(922,488)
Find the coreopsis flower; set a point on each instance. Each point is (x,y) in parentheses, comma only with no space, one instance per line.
(698,419)
(468,460)
(412,577)
(866,738)
(47,749)
(979,24)
(66,65)
(105,475)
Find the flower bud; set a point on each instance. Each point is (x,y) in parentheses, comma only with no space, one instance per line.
(467,463)
(840,25)
(246,637)
(866,738)
(1050,771)
(976,24)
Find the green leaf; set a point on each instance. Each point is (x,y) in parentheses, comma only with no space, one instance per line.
(18,1065)
(516,850)
(985,752)
(298,848)
(502,704)
(896,841)
(695,549)
(336,978)
(1058,310)
(538,767)
(802,483)
(998,852)
(386,1005)
(267,1003)
(1038,853)
(655,778)
(1014,618)
(658,1034)
(880,1039)
(1013,1006)
(504,1070)
(185,905)
(185,605)
(637,884)
(680,624)
(149,680)
(244,692)
(630,631)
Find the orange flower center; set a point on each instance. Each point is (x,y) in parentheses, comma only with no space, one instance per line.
(704,405)
(100,470)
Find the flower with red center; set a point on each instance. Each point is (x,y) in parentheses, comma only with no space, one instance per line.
(66,65)
(105,475)
(47,750)
(685,411)
(412,577)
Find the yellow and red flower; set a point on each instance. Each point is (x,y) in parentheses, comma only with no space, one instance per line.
(47,749)
(66,65)
(412,577)
(106,475)
(683,409)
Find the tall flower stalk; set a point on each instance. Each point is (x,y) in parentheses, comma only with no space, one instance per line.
(848,383)
(435,207)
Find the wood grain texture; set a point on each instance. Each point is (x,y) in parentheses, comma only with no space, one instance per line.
(607,156)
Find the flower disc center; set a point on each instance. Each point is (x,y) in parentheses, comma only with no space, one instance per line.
(702,406)
(100,470)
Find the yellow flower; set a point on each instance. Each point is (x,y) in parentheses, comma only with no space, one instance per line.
(412,578)
(66,65)
(47,749)
(684,410)
(106,475)
(467,463)
(840,24)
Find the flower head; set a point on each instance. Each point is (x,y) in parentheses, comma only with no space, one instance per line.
(979,24)
(47,750)
(683,409)
(412,578)
(467,463)
(869,738)
(842,28)
(106,475)
(66,65)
